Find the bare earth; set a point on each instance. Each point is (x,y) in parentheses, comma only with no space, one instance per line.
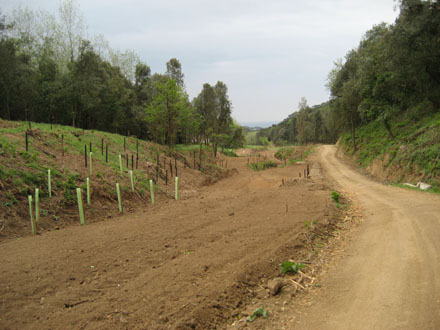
(197,263)
(184,264)
(391,276)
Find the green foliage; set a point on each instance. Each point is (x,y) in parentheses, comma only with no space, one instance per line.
(69,187)
(335,197)
(263,165)
(264,141)
(414,148)
(10,199)
(229,153)
(291,267)
(308,125)
(257,313)
(284,153)
(66,79)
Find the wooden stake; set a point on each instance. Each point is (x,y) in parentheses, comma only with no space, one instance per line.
(85,154)
(62,144)
(27,141)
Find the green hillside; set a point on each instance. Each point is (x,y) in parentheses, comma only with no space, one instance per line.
(65,151)
(411,154)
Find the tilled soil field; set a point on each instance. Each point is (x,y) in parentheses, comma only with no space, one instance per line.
(194,263)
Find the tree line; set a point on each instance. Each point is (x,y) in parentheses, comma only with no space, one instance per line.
(394,73)
(52,71)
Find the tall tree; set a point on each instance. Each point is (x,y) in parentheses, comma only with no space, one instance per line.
(174,71)
(162,114)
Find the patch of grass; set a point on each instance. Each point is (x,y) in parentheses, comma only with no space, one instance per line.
(335,197)
(69,193)
(259,312)
(229,153)
(264,165)
(291,267)
(413,150)
(11,200)
(434,189)
(308,151)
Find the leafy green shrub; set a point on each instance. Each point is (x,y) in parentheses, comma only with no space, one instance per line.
(229,153)
(257,313)
(69,193)
(335,197)
(260,166)
(291,267)
(284,153)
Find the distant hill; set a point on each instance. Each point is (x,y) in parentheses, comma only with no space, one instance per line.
(259,124)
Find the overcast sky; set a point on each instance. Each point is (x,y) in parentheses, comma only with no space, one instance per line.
(269,53)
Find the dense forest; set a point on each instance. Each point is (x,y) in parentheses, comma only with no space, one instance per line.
(393,75)
(51,71)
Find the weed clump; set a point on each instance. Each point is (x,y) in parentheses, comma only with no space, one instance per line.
(257,313)
(335,197)
(291,267)
(264,165)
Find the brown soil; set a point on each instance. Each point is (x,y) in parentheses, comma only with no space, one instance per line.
(199,262)
(387,276)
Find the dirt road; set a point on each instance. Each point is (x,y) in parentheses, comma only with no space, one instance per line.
(391,276)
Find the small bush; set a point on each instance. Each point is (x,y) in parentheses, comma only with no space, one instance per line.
(335,197)
(260,166)
(229,153)
(257,313)
(291,267)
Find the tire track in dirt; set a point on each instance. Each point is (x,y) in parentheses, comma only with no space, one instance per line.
(390,278)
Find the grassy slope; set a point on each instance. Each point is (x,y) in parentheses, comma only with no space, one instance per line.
(21,172)
(413,155)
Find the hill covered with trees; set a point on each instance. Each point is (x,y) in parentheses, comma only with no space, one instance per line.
(52,71)
(384,106)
